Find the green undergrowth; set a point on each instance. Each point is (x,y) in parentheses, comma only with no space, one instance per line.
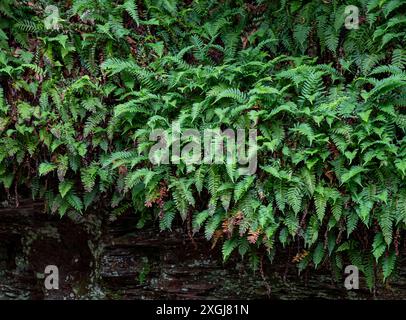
(79,101)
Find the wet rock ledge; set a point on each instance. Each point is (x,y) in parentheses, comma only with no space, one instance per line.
(100,259)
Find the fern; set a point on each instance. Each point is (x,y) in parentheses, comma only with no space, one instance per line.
(131,7)
(228,248)
(388,265)
(242,187)
(65,187)
(78,107)
(45,168)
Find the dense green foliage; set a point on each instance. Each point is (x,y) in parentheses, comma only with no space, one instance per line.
(77,105)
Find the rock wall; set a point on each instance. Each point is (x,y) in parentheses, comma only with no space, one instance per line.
(100,259)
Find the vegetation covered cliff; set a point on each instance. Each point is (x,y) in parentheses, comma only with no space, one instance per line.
(84,85)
